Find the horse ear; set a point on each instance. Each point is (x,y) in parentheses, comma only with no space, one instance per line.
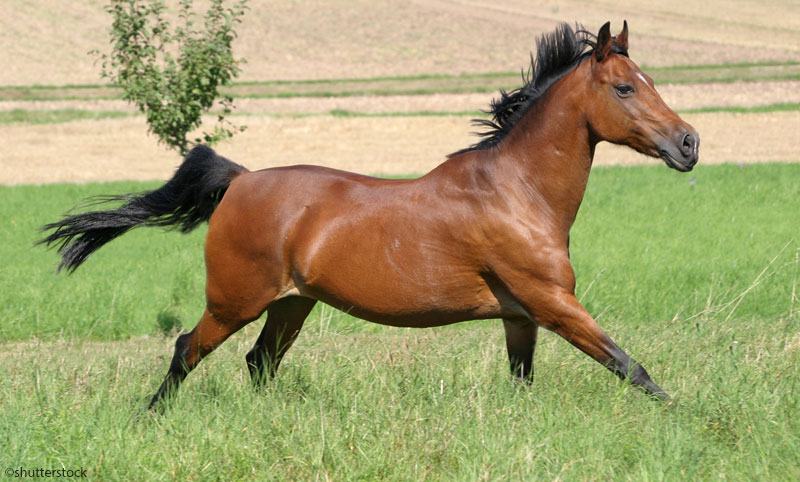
(603,42)
(621,40)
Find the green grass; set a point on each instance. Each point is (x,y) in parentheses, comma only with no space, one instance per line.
(756,109)
(426,113)
(651,242)
(134,278)
(418,84)
(695,275)
(411,405)
(657,244)
(23,116)
(52,116)
(726,72)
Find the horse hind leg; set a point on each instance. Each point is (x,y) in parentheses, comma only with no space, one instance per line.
(210,332)
(235,297)
(285,318)
(245,274)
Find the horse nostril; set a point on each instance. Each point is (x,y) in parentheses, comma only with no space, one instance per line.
(689,143)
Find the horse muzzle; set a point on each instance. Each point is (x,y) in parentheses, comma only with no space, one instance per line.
(682,153)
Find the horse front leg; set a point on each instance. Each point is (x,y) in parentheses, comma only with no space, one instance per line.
(521,343)
(561,312)
(551,303)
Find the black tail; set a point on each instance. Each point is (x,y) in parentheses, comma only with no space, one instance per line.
(185,201)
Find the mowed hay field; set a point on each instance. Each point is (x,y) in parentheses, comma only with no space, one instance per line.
(695,275)
(388,46)
(46,41)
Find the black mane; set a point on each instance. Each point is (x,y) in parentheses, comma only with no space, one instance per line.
(557,53)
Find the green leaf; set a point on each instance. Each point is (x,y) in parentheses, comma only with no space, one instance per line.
(172,92)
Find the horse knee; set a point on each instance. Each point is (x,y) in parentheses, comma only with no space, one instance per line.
(180,362)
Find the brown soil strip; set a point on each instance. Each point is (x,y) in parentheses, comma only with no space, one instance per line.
(118,149)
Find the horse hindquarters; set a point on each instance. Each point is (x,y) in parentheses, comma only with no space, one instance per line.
(243,278)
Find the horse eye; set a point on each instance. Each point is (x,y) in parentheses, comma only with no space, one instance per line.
(624,90)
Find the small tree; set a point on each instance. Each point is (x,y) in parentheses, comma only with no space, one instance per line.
(173,75)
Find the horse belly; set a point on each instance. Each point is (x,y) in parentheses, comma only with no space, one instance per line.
(383,283)
(403,307)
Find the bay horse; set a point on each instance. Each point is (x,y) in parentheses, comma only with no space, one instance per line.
(484,235)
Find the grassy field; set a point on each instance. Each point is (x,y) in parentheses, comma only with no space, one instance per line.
(694,275)
(55,116)
(418,84)
(652,244)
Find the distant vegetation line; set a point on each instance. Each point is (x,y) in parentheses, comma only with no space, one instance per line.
(55,116)
(423,84)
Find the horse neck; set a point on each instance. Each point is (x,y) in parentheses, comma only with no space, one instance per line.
(548,155)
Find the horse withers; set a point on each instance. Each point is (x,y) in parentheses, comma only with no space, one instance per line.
(482,236)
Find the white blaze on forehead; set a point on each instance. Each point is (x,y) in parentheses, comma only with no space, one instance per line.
(644,80)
